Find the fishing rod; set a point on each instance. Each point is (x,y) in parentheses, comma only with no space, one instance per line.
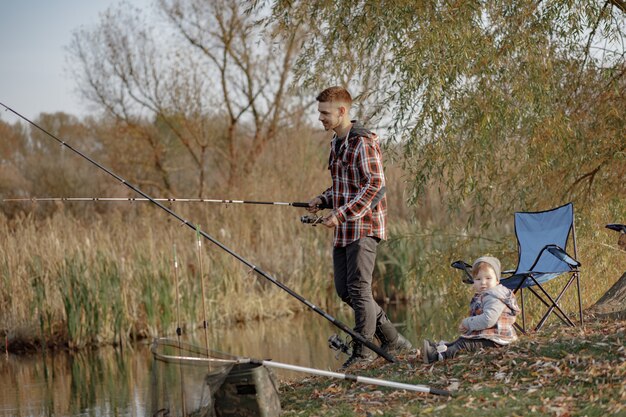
(307,219)
(235,360)
(355,336)
(169,200)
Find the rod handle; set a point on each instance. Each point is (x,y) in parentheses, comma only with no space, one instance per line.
(306,205)
(440,392)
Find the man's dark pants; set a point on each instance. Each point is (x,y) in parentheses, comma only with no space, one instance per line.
(353,265)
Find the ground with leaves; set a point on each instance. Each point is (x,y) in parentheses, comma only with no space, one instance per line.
(560,371)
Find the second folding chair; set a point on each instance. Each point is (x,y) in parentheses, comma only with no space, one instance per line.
(542,239)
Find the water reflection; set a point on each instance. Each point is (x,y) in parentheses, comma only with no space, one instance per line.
(84,384)
(114,382)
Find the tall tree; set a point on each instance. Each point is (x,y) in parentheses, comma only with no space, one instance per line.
(44,156)
(501,104)
(13,143)
(206,89)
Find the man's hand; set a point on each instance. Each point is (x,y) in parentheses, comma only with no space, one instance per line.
(314,205)
(330,220)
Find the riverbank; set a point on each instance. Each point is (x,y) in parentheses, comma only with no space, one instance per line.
(560,371)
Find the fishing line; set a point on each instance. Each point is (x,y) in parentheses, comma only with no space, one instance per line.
(204,315)
(179,330)
(335,322)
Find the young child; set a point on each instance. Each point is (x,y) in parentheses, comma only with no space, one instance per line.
(492,314)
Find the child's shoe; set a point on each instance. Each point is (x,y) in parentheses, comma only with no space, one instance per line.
(433,352)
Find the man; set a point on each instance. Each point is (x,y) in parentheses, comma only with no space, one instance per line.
(358,217)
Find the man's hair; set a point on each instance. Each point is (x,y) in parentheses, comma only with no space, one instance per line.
(336,93)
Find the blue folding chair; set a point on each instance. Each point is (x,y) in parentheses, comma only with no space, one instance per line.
(542,238)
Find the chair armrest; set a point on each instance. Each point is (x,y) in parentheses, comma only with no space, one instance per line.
(508,272)
(617,227)
(558,252)
(462,265)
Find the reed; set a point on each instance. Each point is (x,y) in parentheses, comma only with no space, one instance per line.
(70,282)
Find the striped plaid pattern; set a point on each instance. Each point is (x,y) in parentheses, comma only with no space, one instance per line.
(356,169)
(503,332)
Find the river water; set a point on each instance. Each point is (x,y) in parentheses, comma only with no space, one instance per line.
(116,382)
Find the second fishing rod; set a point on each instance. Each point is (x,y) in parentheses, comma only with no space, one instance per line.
(307,219)
(169,200)
(335,322)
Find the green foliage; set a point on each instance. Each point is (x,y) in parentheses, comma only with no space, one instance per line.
(111,295)
(76,295)
(502,105)
(39,308)
(153,290)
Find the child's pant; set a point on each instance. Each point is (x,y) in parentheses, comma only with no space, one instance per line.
(470,345)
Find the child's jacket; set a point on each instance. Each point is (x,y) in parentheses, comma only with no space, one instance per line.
(492,315)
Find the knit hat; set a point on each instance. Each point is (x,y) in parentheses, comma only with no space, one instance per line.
(492,262)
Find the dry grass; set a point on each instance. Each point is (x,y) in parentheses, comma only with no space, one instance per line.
(66,281)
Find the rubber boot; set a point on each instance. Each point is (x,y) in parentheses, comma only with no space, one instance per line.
(390,339)
(360,354)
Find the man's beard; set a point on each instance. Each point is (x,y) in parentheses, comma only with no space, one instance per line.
(329,126)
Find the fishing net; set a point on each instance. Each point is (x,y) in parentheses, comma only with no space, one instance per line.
(185,379)
(191,381)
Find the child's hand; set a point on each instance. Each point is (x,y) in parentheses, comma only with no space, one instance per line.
(463,329)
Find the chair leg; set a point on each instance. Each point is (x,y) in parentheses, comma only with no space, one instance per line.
(523,310)
(580,302)
(521,328)
(559,313)
(554,304)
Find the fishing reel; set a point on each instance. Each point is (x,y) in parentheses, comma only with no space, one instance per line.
(311,219)
(338,344)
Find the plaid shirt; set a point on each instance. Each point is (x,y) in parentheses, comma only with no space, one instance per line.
(356,169)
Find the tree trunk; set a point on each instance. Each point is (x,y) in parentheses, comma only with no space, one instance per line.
(612,305)
(232,155)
